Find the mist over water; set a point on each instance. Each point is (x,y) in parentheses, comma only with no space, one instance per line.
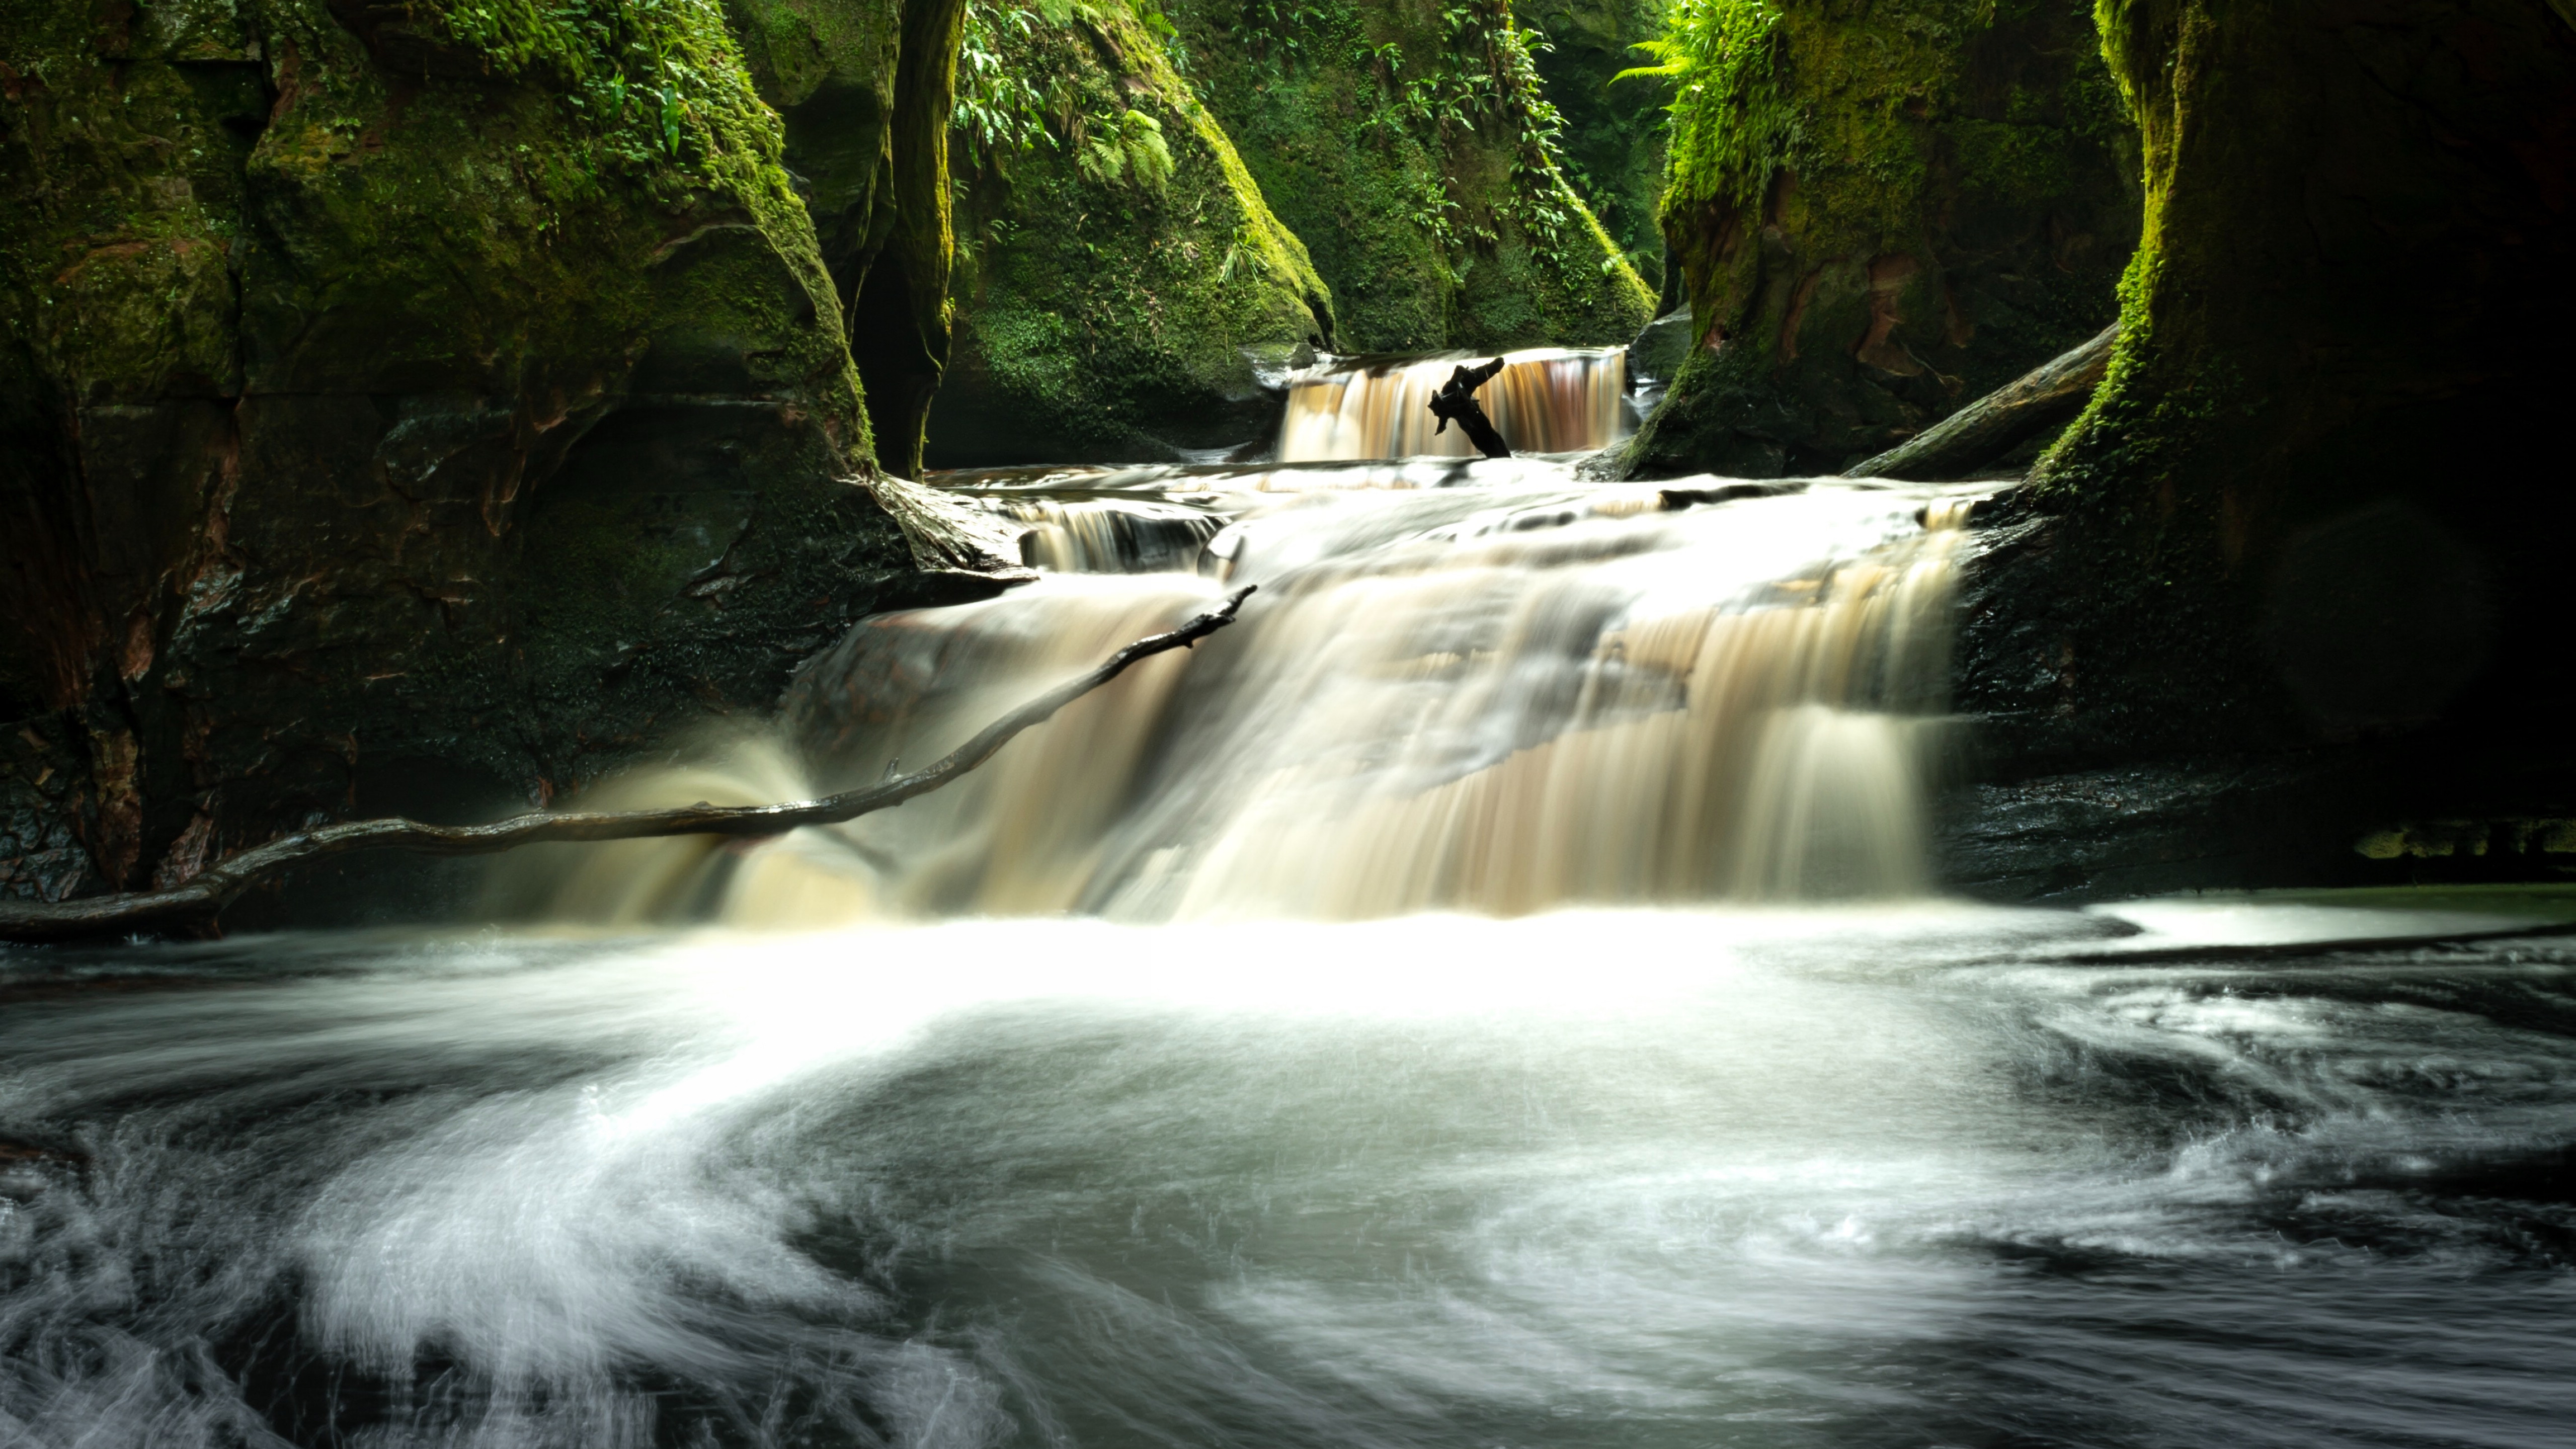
(1489,997)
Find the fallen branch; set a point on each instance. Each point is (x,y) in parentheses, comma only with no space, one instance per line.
(198,900)
(2002,420)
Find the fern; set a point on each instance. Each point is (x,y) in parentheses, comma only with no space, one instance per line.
(1731,126)
(1126,148)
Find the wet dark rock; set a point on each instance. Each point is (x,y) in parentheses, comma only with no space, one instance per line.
(1660,348)
(383,432)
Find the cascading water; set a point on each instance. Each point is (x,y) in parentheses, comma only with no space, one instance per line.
(1653,1169)
(1512,694)
(1547,400)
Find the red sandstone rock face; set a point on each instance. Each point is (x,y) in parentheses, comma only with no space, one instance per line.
(372,440)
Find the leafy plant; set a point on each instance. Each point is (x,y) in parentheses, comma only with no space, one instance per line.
(998,109)
(1731,125)
(1126,148)
(656,80)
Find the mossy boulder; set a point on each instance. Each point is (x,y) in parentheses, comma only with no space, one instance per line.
(1882,210)
(1415,150)
(1120,281)
(405,406)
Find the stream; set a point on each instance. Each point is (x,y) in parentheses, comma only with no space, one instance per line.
(1491,997)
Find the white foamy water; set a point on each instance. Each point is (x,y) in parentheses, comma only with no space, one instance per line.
(1884,1177)
(1403,1022)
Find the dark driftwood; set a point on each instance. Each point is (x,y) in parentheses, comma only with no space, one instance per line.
(2000,421)
(196,902)
(1455,402)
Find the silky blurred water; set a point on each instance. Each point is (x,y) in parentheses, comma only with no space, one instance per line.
(1904,1176)
(1265,1149)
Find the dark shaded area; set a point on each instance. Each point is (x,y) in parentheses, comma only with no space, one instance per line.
(2308,530)
(1992,428)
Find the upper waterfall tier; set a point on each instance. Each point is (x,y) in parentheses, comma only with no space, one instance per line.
(1547,400)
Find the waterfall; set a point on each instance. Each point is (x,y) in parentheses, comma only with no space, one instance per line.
(1547,400)
(1109,535)
(1497,698)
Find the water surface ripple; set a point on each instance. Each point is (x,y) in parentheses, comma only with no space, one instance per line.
(1904,1177)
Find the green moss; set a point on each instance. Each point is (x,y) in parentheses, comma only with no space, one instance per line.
(1731,123)
(1416,151)
(1614,130)
(1118,270)
(1884,209)
(315,306)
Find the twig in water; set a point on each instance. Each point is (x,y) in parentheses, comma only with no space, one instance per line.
(202,896)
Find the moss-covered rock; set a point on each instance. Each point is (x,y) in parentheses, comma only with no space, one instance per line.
(407,406)
(1882,210)
(864,88)
(1413,147)
(2321,491)
(1119,276)
(1614,128)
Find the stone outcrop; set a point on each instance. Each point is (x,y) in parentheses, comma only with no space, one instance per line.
(1122,287)
(863,89)
(1881,211)
(401,409)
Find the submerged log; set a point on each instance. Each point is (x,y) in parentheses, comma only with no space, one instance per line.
(196,902)
(2000,421)
(1455,402)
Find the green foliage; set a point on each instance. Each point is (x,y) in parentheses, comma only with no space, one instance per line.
(1731,123)
(1113,272)
(999,108)
(1283,35)
(1126,148)
(655,80)
(1413,147)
